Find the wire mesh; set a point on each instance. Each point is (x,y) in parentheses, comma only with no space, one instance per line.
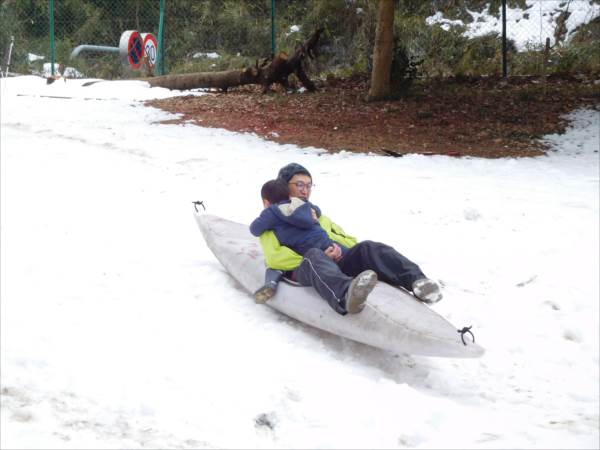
(447,37)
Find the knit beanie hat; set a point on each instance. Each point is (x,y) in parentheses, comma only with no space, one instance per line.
(287,172)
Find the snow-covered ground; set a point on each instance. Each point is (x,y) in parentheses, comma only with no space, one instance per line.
(119,328)
(529,26)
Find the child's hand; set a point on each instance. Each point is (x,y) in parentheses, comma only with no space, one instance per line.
(334,252)
(314,214)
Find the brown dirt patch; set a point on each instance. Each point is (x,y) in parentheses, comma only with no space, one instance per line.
(487,117)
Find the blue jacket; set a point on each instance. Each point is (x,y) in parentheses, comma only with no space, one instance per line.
(293,225)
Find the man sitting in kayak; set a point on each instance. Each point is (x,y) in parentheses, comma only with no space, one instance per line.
(295,224)
(311,269)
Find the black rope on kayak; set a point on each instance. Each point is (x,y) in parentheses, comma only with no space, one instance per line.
(464,331)
(196,203)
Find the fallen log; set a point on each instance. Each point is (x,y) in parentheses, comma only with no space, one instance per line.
(219,80)
(276,70)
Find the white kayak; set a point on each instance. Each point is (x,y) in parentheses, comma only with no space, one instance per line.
(392,319)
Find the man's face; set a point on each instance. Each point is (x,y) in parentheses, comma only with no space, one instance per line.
(300,186)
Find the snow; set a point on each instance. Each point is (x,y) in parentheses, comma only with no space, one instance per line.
(31,57)
(528,26)
(293,29)
(72,72)
(209,55)
(120,329)
(47,69)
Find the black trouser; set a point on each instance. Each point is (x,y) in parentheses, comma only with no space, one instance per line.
(390,266)
(320,271)
(331,280)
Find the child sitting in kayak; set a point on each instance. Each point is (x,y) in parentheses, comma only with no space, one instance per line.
(296,225)
(294,221)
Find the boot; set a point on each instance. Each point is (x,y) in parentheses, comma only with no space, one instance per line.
(360,287)
(427,291)
(266,292)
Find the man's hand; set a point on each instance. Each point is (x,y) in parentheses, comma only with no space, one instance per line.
(314,214)
(334,252)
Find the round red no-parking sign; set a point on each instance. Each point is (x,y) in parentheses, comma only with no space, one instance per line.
(131,48)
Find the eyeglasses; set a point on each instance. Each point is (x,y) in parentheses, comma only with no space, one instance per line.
(302,185)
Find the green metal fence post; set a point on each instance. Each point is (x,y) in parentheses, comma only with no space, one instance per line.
(52,45)
(160,63)
(504,48)
(273,46)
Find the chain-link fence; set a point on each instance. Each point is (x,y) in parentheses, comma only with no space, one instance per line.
(446,37)
(73,23)
(572,29)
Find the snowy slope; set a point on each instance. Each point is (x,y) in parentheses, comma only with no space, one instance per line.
(119,328)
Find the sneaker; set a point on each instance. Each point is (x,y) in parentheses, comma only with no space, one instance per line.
(427,291)
(265,293)
(359,289)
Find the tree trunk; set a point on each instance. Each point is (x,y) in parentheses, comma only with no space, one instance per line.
(275,71)
(382,52)
(282,67)
(219,80)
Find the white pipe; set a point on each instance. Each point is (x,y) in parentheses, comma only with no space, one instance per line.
(96,48)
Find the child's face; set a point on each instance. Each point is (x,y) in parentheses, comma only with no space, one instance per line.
(266,203)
